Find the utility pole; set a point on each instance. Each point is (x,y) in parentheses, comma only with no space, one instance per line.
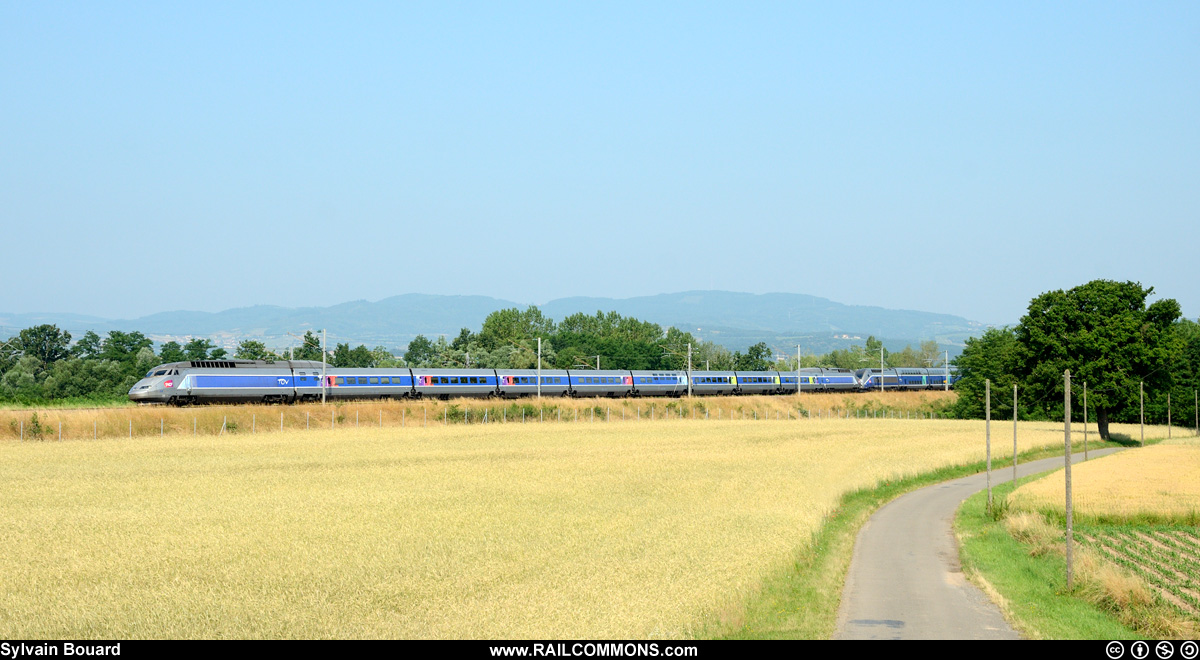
(689,375)
(322,366)
(946,385)
(1014,435)
(1067,456)
(882,386)
(468,353)
(1142,407)
(988,433)
(1085,452)
(539,387)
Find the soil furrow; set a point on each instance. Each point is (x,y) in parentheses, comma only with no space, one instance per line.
(1151,576)
(1182,560)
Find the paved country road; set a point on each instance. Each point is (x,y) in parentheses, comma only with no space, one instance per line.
(905,581)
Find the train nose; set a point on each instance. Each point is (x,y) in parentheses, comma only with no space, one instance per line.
(149,389)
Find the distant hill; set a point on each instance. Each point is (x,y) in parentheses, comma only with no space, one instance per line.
(735,320)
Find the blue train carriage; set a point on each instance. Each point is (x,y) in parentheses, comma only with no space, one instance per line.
(238,381)
(713,383)
(307,379)
(810,379)
(910,378)
(874,379)
(758,382)
(446,383)
(789,382)
(514,383)
(658,383)
(937,376)
(344,383)
(610,383)
(838,380)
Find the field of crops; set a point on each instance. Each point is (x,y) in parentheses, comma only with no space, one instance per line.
(661,528)
(1167,559)
(1139,509)
(1157,484)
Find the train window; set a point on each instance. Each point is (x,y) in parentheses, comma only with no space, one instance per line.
(373,380)
(442,380)
(454,380)
(362,380)
(341,380)
(384,381)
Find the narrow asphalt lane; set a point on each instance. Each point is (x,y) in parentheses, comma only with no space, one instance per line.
(905,580)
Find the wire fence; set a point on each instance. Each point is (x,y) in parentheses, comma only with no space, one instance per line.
(149,421)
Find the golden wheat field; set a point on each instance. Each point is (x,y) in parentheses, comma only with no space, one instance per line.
(657,529)
(1159,483)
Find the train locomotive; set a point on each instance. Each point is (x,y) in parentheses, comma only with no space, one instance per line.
(291,381)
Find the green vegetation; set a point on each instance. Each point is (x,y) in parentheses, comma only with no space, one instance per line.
(1030,582)
(801,601)
(1110,339)
(1129,575)
(1166,557)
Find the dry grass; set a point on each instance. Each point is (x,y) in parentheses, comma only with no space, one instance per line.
(1123,593)
(144,421)
(585,530)
(1145,576)
(1155,484)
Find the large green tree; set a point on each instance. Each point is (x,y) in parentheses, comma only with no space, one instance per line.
(198,348)
(1107,335)
(989,357)
(171,352)
(513,326)
(309,349)
(46,343)
(420,352)
(124,347)
(250,349)
(88,347)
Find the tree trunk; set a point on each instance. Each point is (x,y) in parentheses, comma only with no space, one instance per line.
(1102,423)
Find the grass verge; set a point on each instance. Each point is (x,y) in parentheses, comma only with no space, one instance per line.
(800,601)
(1031,585)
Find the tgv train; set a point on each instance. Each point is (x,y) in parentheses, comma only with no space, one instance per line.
(244,381)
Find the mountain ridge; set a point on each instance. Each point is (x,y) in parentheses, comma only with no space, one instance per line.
(733,319)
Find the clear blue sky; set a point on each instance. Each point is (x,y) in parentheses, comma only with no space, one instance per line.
(950,157)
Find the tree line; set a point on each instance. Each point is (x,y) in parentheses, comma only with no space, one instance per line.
(1107,335)
(42,363)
